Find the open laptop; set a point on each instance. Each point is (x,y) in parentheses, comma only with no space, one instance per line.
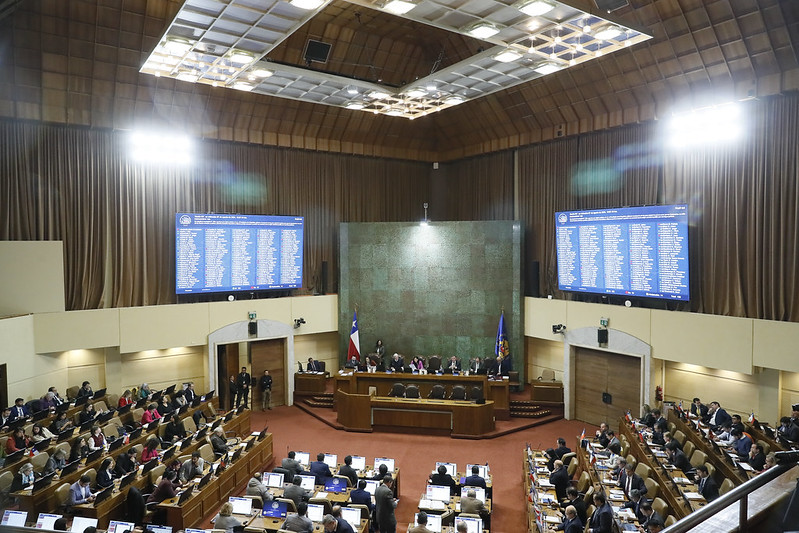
(71,467)
(304,458)
(80,523)
(43,482)
(168,454)
(124,409)
(331,460)
(116,443)
(14,457)
(40,415)
(308,482)
(433,522)
(98,394)
(81,400)
(352,515)
(62,407)
(186,442)
(66,434)
(135,434)
(192,530)
(126,480)
(473,525)
(204,481)
(275,509)
(185,495)
(14,518)
(241,505)
(439,493)
(359,462)
(171,389)
(479,492)
(47,520)
(316,512)
(452,468)
(94,456)
(371,486)
(115,526)
(103,495)
(149,465)
(273,479)
(384,461)
(336,485)
(160,529)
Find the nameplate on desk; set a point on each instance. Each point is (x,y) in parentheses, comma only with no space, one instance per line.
(682,480)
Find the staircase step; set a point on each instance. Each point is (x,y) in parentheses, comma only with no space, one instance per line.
(530,414)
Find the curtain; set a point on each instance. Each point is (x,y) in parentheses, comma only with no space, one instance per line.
(478,188)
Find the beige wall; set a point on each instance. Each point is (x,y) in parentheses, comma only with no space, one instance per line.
(31,277)
(544,354)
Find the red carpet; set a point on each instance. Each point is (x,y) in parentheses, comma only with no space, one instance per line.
(416,455)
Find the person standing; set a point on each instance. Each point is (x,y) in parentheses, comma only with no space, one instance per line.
(385,503)
(233,391)
(265,384)
(243,381)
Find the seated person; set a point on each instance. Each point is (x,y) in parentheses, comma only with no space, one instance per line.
(678,459)
(79,492)
(56,462)
(105,474)
(164,406)
(557,453)
(320,470)
(61,423)
(96,439)
(371,365)
(166,488)
(453,365)
(361,496)
(23,478)
(757,457)
(396,364)
(336,525)
(125,399)
(571,522)
(657,433)
(421,519)
(219,442)
(126,462)
(255,487)
(295,492)
(347,470)
(574,499)
(79,450)
(475,480)
(470,504)
(382,470)
(191,468)
(737,423)
(699,410)
(417,365)
(225,519)
(150,450)
(634,504)
(354,364)
(442,478)
(151,414)
(602,435)
(742,443)
(292,465)
(175,430)
(707,485)
(85,390)
(87,414)
(629,480)
(313,366)
(560,479)
(17,441)
(299,522)
(20,410)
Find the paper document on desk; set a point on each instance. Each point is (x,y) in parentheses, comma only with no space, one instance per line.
(693,496)
(546,498)
(627,514)
(544,483)
(616,494)
(321,494)
(541,460)
(681,480)
(432,504)
(552,519)
(746,466)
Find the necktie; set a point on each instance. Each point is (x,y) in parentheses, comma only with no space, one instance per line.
(701,484)
(629,483)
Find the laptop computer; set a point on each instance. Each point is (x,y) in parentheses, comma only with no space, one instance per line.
(331,460)
(149,465)
(201,434)
(115,526)
(69,468)
(335,485)
(168,454)
(43,482)
(275,509)
(116,444)
(250,444)
(80,523)
(208,395)
(47,520)
(186,494)
(316,512)
(135,434)
(358,462)
(352,515)
(103,495)
(127,479)
(304,458)
(14,518)
(42,444)
(452,468)
(87,426)
(439,493)
(273,479)
(307,482)
(183,409)
(479,493)
(186,442)
(160,529)
(241,505)
(81,400)
(14,457)
(122,410)
(40,415)
(229,416)
(66,434)
(384,461)
(236,455)
(98,394)
(433,522)
(105,417)
(240,409)
(94,456)
(170,390)
(141,403)
(62,407)
(473,525)
(196,402)
(204,481)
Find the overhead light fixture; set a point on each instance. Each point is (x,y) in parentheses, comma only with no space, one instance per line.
(189,76)
(395,113)
(482,30)
(307,4)
(378,95)
(453,100)
(352,89)
(398,7)
(242,86)
(608,32)
(177,46)
(547,67)
(534,8)
(416,92)
(237,56)
(355,105)
(508,55)
(262,73)
(430,87)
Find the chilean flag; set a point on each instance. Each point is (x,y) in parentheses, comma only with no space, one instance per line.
(355,344)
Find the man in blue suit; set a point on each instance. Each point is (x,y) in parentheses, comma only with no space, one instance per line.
(475,480)
(320,470)
(361,496)
(602,519)
(571,523)
(20,410)
(718,416)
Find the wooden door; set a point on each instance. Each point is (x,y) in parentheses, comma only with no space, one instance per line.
(599,372)
(227,364)
(269,355)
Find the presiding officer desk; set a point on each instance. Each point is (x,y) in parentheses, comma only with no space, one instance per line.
(361,382)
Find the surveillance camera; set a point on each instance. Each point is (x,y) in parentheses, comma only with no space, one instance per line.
(558,328)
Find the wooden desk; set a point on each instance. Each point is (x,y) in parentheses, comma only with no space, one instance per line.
(311,383)
(219,488)
(546,391)
(260,523)
(360,382)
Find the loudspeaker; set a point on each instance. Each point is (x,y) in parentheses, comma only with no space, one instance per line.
(252,328)
(602,336)
(533,279)
(323,280)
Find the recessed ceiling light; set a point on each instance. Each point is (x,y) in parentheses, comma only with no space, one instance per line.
(307,4)
(416,92)
(506,56)
(177,46)
(378,95)
(352,90)
(242,86)
(187,76)
(398,7)
(262,73)
(355,105)
(395,113)
(608,32)
(535,8)
(453,100)
(431,87)
(587,28)
(237,56)
(547,67)
(482,30)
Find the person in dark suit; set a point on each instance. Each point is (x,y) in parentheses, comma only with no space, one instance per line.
(573,498)
(557,453)
(175,430)
(292,465)
(312,366)
(718,416)
(385,505)
(678,458)
(189,393)
(571,522)
(233,389)
(453,365)
(602,519)
(699,410)
(125,463)
(336,525)
(737,423)
(657,433)
(634,504)
(629,480)
(320,470)
(560,479)
(476,366)
(20,410)
(5,418)
(396,364)
(442,478)
(788,430)
(757,457)
(243,381)
(602,435)
(361,496)
(475,480)
(382,470)
(295,492)
(85,390)
(707,485)
(504,366)
(347,470)
(650,516)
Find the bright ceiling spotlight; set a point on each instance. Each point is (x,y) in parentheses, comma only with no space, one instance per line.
(237,56)
(416,92)
(262,73)
(398,7)
(242,86)
(378,95)
(608,32)
(535,8)
(547,67)
(712,125)
(482,30)
(508,55)
(161,148)
(355,105)
(307,4)
(453,100)
(177,46)
(188,75)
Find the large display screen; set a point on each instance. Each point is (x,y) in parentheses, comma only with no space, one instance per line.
(630,251)
(221,253)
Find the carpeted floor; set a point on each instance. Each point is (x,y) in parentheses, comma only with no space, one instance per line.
(416,456)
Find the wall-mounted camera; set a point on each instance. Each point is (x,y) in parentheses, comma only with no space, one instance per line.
(558,328)
(298,322)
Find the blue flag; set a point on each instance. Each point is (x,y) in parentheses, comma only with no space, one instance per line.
(501,349)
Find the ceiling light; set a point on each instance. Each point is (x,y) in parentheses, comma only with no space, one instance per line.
(262,73)
(242,86)
(416,92)
(398,7)
(431,88)
(547,67)
(395,113)
(378,95)
(307,4)
(608,32)
(177,46)
(356,105)
(482,30)
(188,76)
(453,100)
(535,8)
(352,90)
(506,56)
(237,56)
(587,28)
